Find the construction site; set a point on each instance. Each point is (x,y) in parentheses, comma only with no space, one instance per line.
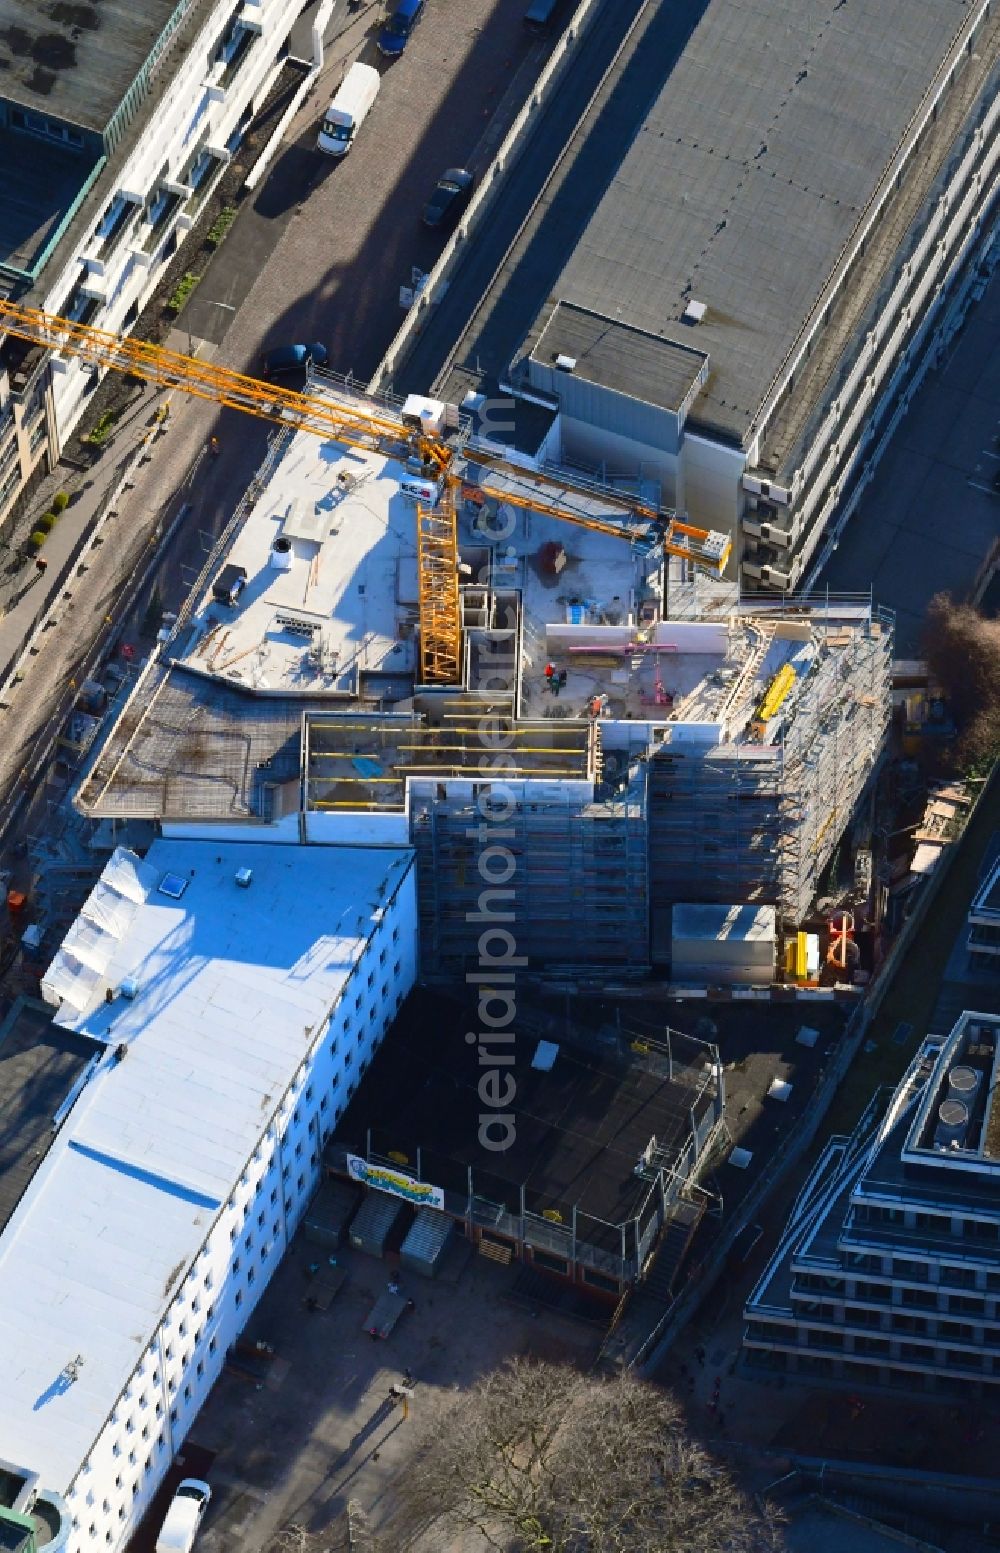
(584,1203)
(404,638)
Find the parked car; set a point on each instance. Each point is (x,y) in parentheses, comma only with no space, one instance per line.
(289,358)
(185,1515)
(352,104)
(541,14)
(451,195)
(394,36)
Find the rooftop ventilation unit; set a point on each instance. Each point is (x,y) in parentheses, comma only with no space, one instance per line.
(963,1083)
(694,312)
(565,363)
(281,554)
(953,1119)
(243,877)
(172,885)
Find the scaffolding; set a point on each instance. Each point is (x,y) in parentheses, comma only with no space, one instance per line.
(578,891)
(747,821)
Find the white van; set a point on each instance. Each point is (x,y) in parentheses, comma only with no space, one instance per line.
(184,1516)
(354,101)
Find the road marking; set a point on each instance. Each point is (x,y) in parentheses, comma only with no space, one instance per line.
(977,487)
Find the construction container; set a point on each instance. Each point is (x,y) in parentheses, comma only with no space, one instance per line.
(374,1222)
(330,1212)
(424,1248)
(722,945)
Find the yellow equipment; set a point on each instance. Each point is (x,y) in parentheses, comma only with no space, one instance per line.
(776,694)
(366,424)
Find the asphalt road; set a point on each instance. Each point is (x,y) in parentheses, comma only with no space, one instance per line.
(498,331)
(322,250)
(930,515)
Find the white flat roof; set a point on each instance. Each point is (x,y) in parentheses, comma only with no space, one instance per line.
(351,579)
(230,983)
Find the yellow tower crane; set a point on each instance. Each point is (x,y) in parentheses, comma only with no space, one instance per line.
(366,424)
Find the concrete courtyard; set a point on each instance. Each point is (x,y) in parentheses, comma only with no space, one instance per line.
(318,1429)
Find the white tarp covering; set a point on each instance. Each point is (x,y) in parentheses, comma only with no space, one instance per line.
(129,875)
(90,944)
(109,911)
(76,974)
(68,981)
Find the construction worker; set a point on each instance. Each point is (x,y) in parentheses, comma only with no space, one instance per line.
(214,446)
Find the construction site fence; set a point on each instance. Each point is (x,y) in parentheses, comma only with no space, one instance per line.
(653,1351)
(582,1239)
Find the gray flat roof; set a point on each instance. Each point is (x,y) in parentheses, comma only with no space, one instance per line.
(757,132)
(618,357)
(75,59)
(36,190)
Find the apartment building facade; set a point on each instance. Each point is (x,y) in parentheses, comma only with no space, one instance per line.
(105,165)
(888,1272)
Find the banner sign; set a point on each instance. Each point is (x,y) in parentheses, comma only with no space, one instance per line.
(419,1193)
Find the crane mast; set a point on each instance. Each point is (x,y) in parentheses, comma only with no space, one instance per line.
(367,426)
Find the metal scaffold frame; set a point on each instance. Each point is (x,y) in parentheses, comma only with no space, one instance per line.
(579,888)
(749,822)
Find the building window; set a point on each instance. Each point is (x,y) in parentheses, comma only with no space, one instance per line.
(45,129)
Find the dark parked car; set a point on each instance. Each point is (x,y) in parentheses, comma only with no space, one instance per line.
(289,358)
(393,38)
(450,197)
(541,14)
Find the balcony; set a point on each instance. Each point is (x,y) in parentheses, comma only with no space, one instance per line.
(162,213)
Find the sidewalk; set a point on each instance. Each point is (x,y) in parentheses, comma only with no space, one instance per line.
(27,594)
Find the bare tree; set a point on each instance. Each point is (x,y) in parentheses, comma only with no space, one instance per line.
(540,1458)
(962,649)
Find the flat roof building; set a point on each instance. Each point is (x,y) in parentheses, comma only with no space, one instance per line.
(233,995)
(888,1272)
(740,300)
